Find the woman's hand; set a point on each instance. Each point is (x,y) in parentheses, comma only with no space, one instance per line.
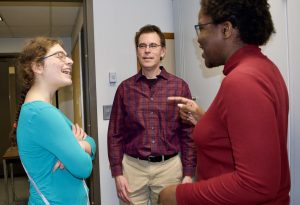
(78,132)
(189,111)
(57,165)
(80,135)
(168,196)
(85,146)
(187,179)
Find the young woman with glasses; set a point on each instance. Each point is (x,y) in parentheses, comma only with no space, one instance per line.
(56,154)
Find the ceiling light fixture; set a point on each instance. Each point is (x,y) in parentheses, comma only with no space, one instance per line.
(1,19)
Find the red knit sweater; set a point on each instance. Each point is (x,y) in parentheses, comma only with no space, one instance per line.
(241,140)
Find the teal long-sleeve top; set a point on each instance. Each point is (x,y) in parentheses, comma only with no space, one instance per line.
(44,136)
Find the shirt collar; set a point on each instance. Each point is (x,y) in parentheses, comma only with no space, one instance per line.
(163,74)
(238,56)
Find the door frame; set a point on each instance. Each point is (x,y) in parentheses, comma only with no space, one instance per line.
(89,94)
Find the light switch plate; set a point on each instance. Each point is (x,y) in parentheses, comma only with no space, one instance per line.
(112,77)
(106,111)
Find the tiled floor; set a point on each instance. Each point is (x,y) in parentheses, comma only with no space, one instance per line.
(21,191)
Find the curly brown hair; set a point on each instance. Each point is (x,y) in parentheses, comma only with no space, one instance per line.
(251,17)
(33,52)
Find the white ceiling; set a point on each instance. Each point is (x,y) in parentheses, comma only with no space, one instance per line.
(30,19)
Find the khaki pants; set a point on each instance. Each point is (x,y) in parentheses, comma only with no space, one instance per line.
(147,179)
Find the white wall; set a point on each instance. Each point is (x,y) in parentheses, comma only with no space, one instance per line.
(294,84)
(115,25)
(203,83)
(11,45)
(115,51)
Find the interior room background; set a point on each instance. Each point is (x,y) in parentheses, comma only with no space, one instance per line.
(115,24)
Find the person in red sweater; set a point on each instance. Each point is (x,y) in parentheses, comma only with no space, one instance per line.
(241,140)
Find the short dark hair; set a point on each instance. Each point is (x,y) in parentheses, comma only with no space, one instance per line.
(150,29)
(251,17)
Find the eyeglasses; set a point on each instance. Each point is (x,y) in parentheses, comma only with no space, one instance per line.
(61,55)
(200,26)
(151,46)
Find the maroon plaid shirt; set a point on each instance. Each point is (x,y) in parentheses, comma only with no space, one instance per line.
(143,123)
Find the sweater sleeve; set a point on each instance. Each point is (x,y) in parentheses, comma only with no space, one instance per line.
(92,143)
(248,111)
(115,134)
(59,140)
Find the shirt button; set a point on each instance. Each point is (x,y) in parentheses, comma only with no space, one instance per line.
(151,112)
(152,128)
(153,141)
(151,99)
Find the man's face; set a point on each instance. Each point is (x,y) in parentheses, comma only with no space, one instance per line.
(150,51)
(210,39)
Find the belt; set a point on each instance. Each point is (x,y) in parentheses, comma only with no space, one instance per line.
(157,158)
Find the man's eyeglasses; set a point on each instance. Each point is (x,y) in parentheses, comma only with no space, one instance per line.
(200,26)
(151,46)
(61,55)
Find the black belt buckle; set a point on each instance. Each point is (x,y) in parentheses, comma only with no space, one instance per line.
(161,158)
(155,158)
